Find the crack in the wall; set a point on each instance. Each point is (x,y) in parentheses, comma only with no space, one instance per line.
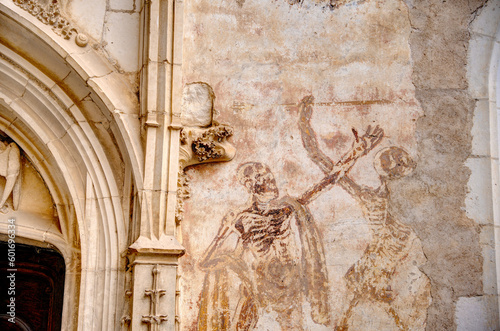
(476,11)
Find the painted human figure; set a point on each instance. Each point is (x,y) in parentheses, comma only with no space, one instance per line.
(371,277)
(273,247)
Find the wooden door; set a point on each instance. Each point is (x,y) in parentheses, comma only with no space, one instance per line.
(37,288)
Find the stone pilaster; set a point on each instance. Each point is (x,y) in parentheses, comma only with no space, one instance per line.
(179,131)
(154,252)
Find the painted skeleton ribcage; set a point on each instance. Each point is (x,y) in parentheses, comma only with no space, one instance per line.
(267,231)
(374,208)
(389,245)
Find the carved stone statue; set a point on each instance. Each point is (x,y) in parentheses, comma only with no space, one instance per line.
(10,168)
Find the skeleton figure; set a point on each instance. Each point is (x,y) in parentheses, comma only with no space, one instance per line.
(273,248)
(371,276)
(10,168)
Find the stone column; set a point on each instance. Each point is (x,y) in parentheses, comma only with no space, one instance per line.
(179,131)
(155,251)
(154,273)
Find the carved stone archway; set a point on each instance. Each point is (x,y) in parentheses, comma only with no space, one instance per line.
(77,123)
(109,158)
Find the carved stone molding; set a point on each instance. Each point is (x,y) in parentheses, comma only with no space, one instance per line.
(154,319)
(183,193)
(49,13)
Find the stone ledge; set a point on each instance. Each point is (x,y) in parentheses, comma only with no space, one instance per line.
(165,250)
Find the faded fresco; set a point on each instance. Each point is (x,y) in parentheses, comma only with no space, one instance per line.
(258,243)
(372,279)
(296,232)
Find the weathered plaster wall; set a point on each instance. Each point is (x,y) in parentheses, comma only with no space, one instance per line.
(405,241)
(433,199)
(262,58)
(400,65)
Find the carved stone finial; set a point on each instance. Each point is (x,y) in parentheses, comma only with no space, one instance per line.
(81,40)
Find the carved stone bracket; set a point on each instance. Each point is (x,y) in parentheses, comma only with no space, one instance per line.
(200,145)
(203,145)
(202,139)
(49,13)
(153,319)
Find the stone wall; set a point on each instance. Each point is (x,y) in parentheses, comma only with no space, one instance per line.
(360,146)
(398,65)
(433,199)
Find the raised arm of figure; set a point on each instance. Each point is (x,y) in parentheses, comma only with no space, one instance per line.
(350,186)
(361,146)
(309,136)
(336,172)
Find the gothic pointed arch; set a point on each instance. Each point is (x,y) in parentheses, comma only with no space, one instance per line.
(77,123)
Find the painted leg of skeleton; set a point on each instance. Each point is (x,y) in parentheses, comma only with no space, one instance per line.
(346,316)
(245,317)
(401,325)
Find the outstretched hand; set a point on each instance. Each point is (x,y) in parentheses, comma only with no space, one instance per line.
(305,107)
(369,140)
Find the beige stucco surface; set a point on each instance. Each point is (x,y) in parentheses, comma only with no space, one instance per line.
(262,58)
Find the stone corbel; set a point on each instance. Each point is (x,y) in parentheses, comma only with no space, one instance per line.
(204,145)
(202,140)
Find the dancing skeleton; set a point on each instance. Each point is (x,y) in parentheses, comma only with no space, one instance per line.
(276,268)
(370,277)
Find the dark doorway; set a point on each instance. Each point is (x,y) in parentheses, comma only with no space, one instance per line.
(39,288)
